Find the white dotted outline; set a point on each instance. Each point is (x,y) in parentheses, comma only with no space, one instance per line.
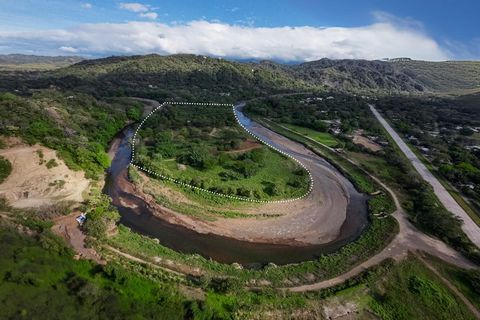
(205,190)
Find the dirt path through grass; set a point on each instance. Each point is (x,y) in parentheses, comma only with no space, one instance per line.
(408,239)
(454,289)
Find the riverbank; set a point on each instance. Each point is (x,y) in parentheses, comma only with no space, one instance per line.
(329,218)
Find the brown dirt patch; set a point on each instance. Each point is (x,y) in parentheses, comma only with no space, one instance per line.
(358,138)
(32,184)
(247,145)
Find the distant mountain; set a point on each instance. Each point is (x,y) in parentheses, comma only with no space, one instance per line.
(32,62)
(393,76)
(448,76)
(358,76)
(156,76)
(154,73)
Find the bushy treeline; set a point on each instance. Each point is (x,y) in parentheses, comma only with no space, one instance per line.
(77,125)
(445,129)
(316,111)
(5,168)
(102,216)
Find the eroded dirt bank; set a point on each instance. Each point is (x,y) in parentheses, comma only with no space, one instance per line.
(34,184)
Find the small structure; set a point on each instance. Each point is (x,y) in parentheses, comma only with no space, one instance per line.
(81,218)
(424,149)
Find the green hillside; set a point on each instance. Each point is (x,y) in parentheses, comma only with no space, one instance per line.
(448,76)
(31,62)
(202,77)
(360,76)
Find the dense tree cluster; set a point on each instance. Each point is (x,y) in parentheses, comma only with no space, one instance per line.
(444,129)
(78,126)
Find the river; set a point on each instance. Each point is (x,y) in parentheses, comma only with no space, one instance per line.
(137,215)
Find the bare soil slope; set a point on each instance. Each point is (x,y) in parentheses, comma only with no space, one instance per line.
(32,184)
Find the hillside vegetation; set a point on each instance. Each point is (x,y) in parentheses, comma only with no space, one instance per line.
(194,76)
(448,76)
(79,127)
(32,62)
(154,73)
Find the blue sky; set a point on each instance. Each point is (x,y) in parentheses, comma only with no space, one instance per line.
(371,29)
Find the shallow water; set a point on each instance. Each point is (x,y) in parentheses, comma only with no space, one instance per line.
(140,218)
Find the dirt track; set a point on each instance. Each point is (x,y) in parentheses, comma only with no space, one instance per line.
(408,239)
(68,228)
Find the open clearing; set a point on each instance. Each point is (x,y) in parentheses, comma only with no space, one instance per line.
(322,137)
(32,184)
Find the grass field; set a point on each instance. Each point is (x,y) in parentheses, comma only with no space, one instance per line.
(466,281)
(411,291)
(322,137)
(278,171)
(404,290)
(355,174)
(206,148)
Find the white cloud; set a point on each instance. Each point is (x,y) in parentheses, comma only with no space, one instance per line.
(378,40)
(68,49)
(86,5)
(149,15)
(135,7)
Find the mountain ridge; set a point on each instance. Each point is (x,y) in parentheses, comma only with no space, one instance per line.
(368,76)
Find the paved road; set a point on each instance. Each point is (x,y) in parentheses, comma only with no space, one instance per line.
(469,226)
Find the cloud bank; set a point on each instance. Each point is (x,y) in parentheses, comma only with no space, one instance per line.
(383,39)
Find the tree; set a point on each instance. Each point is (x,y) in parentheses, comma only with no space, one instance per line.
(465,131)
(101,215)
(197,157)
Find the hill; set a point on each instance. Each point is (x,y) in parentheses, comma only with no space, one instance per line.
(363,76)
(154,74)
(358,76)
(32,62)
(447,76)
(204,77)
(394,76)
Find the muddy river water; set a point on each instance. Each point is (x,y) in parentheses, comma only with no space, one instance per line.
(139,216)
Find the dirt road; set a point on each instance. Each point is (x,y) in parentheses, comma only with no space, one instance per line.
(408,239)
(471,229)
(68,228)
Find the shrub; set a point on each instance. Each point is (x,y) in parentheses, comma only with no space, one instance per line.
(247,168)
(272,189)
(244,192)
(5,168)
(198,157)
(51,163)
(100,215)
